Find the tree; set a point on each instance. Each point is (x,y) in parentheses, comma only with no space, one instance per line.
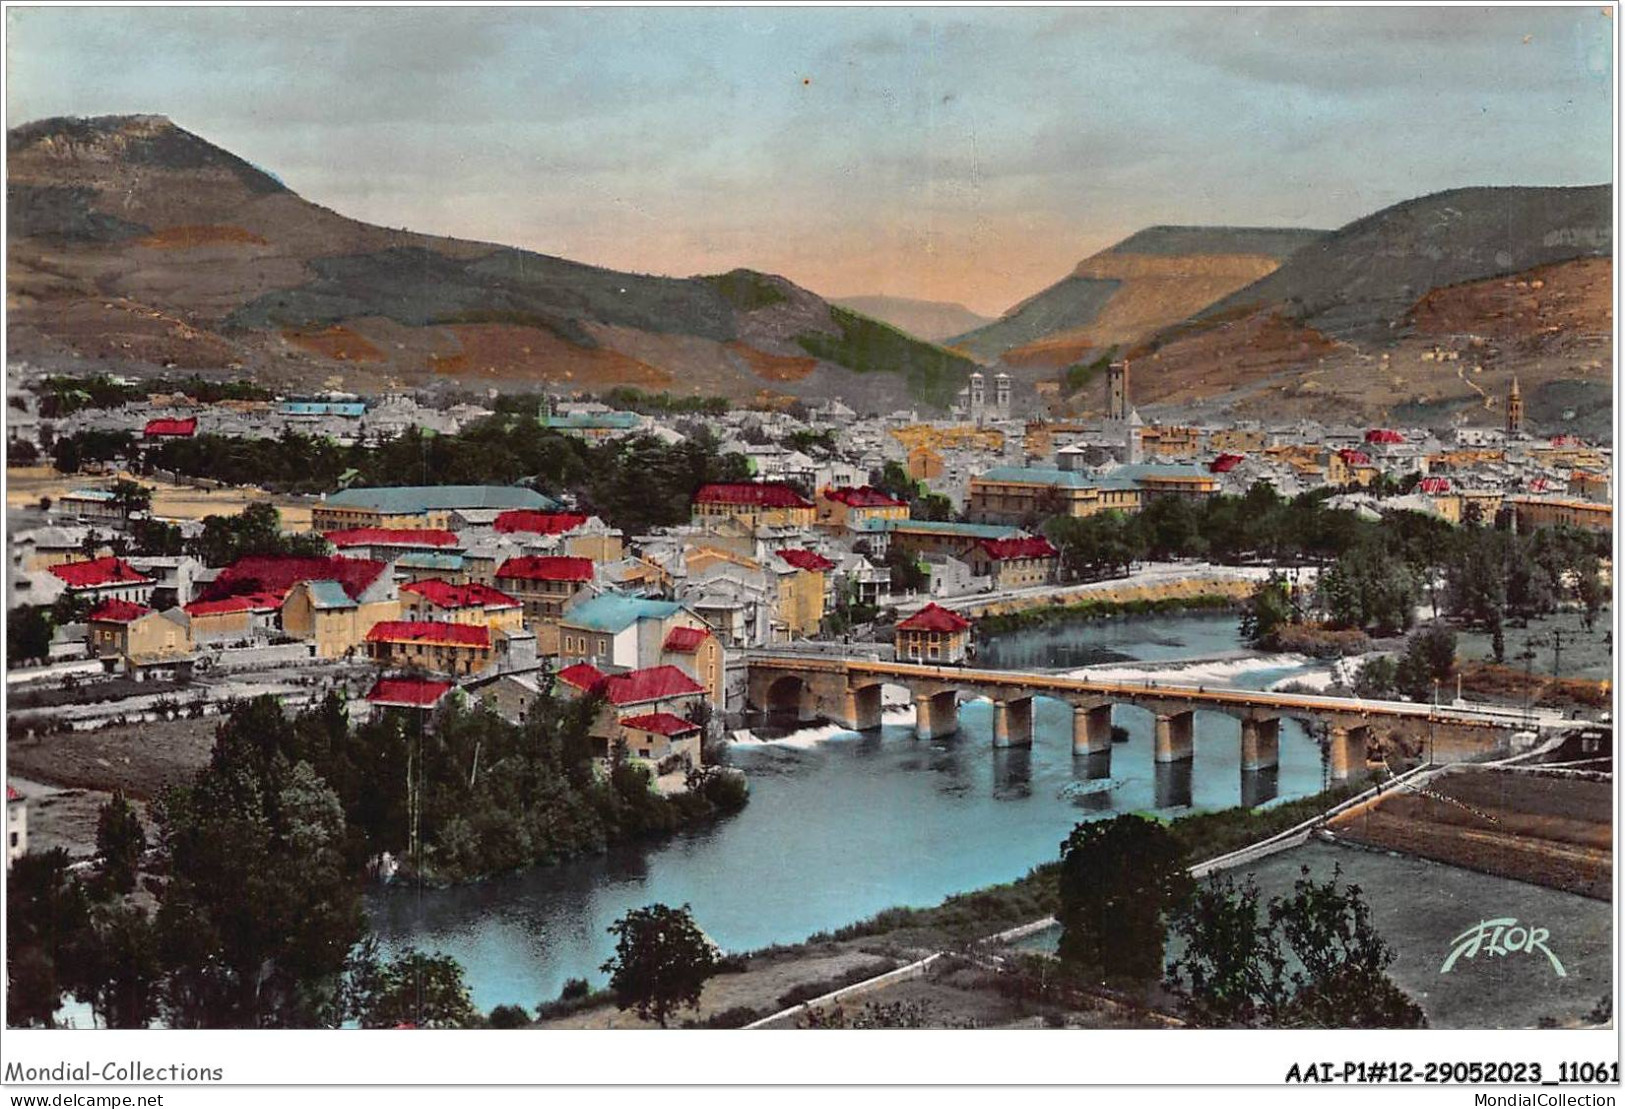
(1376,678)
(119,967)
(415,989)
(120,843)
(259,912)
(130,498)
(1429,658)
(1313,959)
(662,961)
(907,575)
(1119,880)
(1267,611)
(47,918)
(28,634)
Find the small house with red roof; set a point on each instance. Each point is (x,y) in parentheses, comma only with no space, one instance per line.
(389,544)
(137,636)
(849,507)
(933,634)
(231,619)
(16,825)
(470,603)
(433,645)
(168,427)
(566,533)
(100,579)
(752,503)
(544,586)
(410,694)
(654,709)
(1013,563)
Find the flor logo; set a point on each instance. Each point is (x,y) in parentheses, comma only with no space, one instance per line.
(1502,936)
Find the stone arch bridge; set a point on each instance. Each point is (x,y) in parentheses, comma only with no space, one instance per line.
(848,691)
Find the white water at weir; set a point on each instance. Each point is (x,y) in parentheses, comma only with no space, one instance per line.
(842,825)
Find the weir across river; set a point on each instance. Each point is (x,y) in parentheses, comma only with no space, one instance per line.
(849,692)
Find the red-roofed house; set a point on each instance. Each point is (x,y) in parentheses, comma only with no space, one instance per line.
(233,618)
(170,428)
(527,521)
(137,634)
(1225,463)
(803,559)
(753,503)
(933,634)
(1013,563)
(433,645)
(362,579)
(388,544)
(100,579)
(417,694)
(1434,485)
(1383,436)
(650,708)
(658,737)
(473,603)
(544,585)
(853,507)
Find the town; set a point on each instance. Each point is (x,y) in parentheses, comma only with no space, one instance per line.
(749,519)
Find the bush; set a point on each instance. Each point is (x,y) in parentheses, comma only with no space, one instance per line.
(574,989)
(508,1016)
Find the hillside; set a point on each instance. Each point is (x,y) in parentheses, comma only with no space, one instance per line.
(1421,312)
(932,320)
(133,241)
(1155,278)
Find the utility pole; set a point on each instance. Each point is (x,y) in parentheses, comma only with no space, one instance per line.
(1557,653)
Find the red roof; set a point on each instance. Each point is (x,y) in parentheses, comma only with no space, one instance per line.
(430,631)
(803,559)
(12,794)
(1567,441)
(99,571)
(1354,457)
(410,692)
(685,640)
(114,611)
(583,675)
(243,602)
(756,494)
(444,594)
(862,496)
(166,426)
(547,568)
(1434,485)
(934,618)
(661,723)
(652,683)
(1383,435)
(1225,463)
(391,537)
(539,523)
(1031,546)
(276,574)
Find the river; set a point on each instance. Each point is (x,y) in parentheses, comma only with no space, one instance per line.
(842,825)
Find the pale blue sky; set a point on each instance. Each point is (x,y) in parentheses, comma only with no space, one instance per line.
(962,154)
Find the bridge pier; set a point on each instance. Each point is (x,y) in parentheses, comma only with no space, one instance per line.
(936,714)
(861,708)
(1260,742)
(1013,722)
(1175,737)
(1091,730)
(1345,752)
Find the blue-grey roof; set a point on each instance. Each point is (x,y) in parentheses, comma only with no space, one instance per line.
(1038,475)
(944,527)
(328,594)
(406,499)
(91,495)
(614,612)
(616,421)
(322,408)
(430,560)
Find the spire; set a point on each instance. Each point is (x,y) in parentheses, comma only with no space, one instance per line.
(1515,391)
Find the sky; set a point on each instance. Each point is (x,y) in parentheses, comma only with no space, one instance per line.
(972,155)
